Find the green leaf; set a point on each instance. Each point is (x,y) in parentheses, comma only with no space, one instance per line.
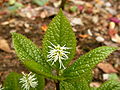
(93,88)
(110,85)
(59,33)
(40,2)
(73,8)
(27,50)
(41,82)
(87,62)
(15,7)
(31,56)
(18,5)
(12,82)
(40,70)
(113,76)
(74,85)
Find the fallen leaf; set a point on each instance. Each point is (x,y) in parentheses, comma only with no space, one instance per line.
(111,25)
(84,36)
(80,7)
(4,45)
(111,11)
(73,8)
(114,19)
(44,27)
(76,21)
(3,12)
(89,32)
(100,39)
(109,43)
(88,5)
(11,2)
(29,12)
(44,14)
(57,4)
(5,23)
(107,68)
(95,19)
(95,84)
(40,2)
(112,32)
(108,4)
(114,36)
(8,22)
(89,10)
(78,2)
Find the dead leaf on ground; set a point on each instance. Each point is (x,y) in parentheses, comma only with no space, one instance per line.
(95,84)
(84,36)
(114,36)
(29,12)
(110,43)
(76,21)
(107,68)
(4,45)
(44,27)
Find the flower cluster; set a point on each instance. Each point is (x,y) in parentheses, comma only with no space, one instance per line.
(28,80)
(58,53)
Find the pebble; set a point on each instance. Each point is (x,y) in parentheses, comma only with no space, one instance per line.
(57,4)
(44,14)
(95,84)
(112,11)
(12,25)
(108,4)
(76,21)
(95,19)
(26,25)
(5,23)
(75,30)
(27,30)
(111,25)
(89,32)
(88,5)
(100,39)
(105,76)
(13,30)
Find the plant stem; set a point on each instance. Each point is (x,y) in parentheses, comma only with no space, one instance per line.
(57,81)
(57,85)
(62,4)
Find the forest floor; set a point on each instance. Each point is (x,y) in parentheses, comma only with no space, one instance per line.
(94,22)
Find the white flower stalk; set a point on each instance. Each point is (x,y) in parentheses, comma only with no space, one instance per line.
(1,88)
(28,80)
(58,53)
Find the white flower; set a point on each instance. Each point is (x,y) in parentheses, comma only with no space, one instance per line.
(58,53)
(1,88)
(28,80)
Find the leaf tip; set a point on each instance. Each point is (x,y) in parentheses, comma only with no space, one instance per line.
(60,11)
(13,34)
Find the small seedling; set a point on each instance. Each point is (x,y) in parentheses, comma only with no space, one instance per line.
(52,61)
